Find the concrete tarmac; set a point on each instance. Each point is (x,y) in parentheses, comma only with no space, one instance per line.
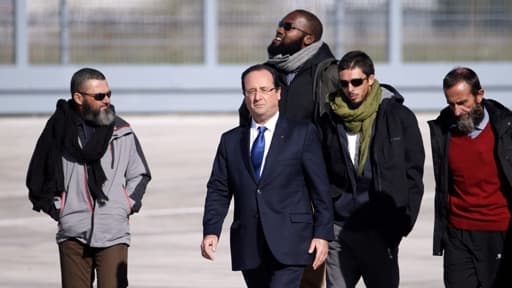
(166,234)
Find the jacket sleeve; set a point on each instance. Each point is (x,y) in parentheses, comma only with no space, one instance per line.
(44,176)
(218,194)
(438,138)
(332,156)
(414,161)
(35,176)
(137,175)
(318,185)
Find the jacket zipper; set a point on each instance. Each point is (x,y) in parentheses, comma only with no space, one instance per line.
(86,190)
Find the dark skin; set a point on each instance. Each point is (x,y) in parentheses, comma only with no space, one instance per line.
(294,39)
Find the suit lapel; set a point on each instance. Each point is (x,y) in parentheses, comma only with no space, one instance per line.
(246,152)
(276,147)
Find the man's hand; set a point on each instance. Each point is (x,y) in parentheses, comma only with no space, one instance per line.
(321,247)
(209,246)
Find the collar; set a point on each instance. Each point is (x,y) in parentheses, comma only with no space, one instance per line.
(270,124)
(478,129)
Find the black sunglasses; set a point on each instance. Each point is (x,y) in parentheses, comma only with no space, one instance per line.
(98,96)
(287,26)
(356,82)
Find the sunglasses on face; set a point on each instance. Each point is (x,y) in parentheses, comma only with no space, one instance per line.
(287,26)
(356,82)
(98,96)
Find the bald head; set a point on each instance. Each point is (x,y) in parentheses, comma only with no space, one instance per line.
(311,22)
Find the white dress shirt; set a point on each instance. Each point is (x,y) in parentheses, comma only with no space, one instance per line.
(353,147)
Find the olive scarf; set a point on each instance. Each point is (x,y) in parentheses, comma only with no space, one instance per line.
(360,120)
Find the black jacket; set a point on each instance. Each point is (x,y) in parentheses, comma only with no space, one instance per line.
(306,95)
(500,119)
(396,158)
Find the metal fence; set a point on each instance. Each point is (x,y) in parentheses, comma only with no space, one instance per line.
(172,31)
(179,38)
(6,32)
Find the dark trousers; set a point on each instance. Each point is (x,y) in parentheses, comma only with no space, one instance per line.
(472,258)
(313,278)
(366,254)
(78,263)
(273,274)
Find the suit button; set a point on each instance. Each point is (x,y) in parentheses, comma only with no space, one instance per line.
(258,191)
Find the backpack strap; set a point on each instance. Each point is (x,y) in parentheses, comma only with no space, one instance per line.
(325,82)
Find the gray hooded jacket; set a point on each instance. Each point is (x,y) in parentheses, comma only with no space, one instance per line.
(127,173)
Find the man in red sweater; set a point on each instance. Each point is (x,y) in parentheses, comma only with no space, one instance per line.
(471,150)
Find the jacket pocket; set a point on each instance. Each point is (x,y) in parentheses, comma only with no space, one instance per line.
(130,202)
(60,202)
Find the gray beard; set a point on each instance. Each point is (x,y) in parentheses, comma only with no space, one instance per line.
(99,117)
(467,123)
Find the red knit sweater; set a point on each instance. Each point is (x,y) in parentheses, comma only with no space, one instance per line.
(476,202)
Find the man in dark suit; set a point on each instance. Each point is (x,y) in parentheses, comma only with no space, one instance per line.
(275,171)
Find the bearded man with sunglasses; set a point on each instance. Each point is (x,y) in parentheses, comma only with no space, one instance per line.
(89,174)
(374,155)
(306,66)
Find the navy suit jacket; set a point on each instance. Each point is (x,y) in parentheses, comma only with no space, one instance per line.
(291,200)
